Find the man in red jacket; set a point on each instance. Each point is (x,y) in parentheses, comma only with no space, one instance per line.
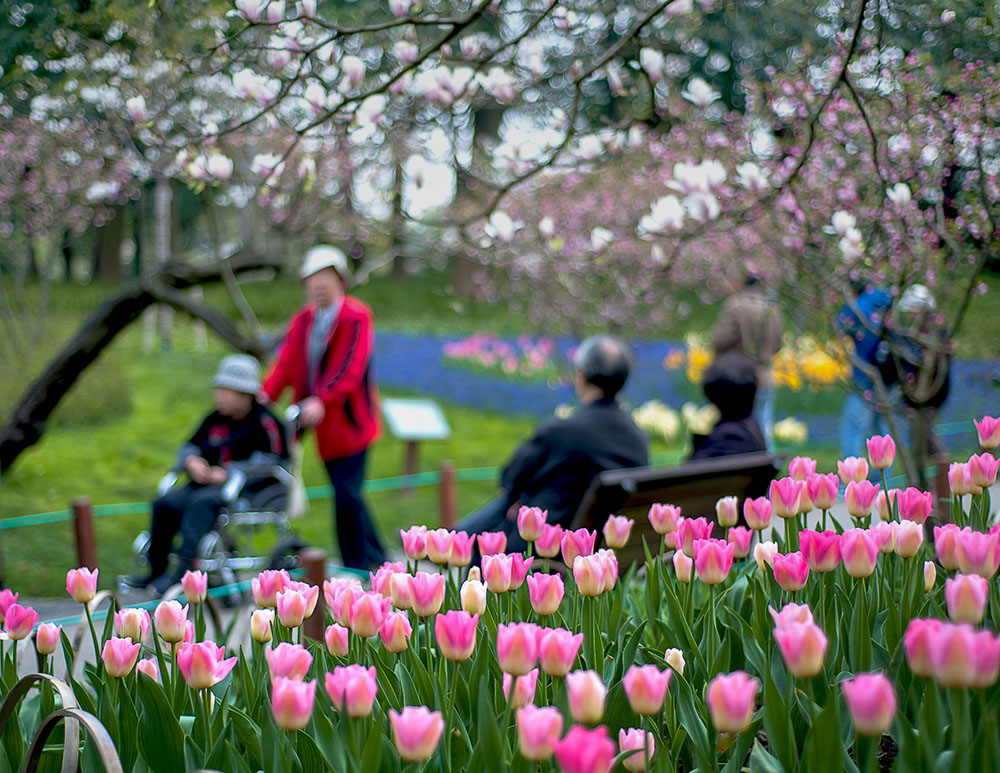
(325,359)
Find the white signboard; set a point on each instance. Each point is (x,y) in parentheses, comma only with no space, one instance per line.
(413,419)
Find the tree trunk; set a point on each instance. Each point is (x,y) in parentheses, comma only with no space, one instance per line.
(107,262)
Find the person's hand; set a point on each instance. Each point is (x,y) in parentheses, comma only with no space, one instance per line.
(313,412)
(198,469)
(217,476)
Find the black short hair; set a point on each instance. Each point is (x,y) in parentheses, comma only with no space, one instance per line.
(605,362)
(731,385)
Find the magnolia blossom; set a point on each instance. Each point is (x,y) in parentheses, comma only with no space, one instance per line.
(700,93)
(253,86)
(666,213)
(652,62)
(899,194)
(501,228)
(601,238)
(354,70)
(750,176)
(136,109)
(251,9)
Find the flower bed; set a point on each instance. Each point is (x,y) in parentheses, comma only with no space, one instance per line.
(828,650)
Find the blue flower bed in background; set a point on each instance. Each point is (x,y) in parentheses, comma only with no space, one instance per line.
(417,364)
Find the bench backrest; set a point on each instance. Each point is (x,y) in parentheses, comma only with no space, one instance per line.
(694,487)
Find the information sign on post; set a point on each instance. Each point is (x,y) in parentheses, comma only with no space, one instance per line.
(413,420)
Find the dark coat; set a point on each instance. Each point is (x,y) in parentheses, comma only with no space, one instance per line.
(728,438)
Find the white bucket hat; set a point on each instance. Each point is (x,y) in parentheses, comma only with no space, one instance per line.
(239,372)
(324,256)
(917,298)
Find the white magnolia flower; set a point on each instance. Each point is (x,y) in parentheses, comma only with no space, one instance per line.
(307,168)
(276,11)
(750,176)
(102,191)
(198,169)
(666,213)
(615,81)
(702,206)
(266,165)
(547,227)
(680,7)
(371,110)
(600,238)
(251,9)
(652,62)
(470,46)
(500,85)
(315,95)
(899,194)
(254,86)
(700,93)
(501,228)
(851,244)
(715,172)
(657,255)
(590,148)
(307,8)
(278,58)
(400,8)
(354,70)
(842,221)
(136,108)
(406,51)
(220,167)
(947,17)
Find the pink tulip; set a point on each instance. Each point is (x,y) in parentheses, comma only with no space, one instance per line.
(416,732)
(492,542)
(683,566)
(203,664)
(292,606)
(884,534)
(414,542)
(473,596)
(519,566)
(822,489)
(132,623)
(801,467)
(496,572)
(537,730)
(368,612)
(6,599)
(917,643)
(291,661)
(821,550)
(149,667)
(946,545)
(985,660)
(757,512)
(763,554)
(81,584)
(428,593)
(852,469)
(664,518)
(915,505)
(726,511)
(713,558)
(689,530)
(930,576)
(989,432)
(633,738)
(983,469)
(730,699)
(872,702)
(339,596)
(585,751)
(310,592)
(292,702)
(739,537)
(953,655)
(47,638)
(588,572)
(550,541)
(791,614)
(586,696)
(382,577)
(610,562)
(881,451)
(790,571)
(171,621)
(195,585)
(884,502)
(461,549)
(966,596)
(439,543)
(524,688)
(336,640)
(802,646)
(546,592)
(960,480)
(456,634)
(396,632)
(119,656)
(530,522)
(188,638)
(646,688)
(557,650)
(577,543)
(399,591)
(260,625)
(786,496)
(859,552)
(352,689)
(616,531)
(860,498)
(267,585)
(517,647)
(909,538)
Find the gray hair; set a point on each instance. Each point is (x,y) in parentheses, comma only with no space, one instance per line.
(605,362)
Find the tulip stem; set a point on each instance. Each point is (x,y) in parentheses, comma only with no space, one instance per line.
(206,698)
(14,653)
(93,638)
(427,643)
(645,743)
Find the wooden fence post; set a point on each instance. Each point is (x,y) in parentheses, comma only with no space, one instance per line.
(314,562)
(448,495)
(83,527)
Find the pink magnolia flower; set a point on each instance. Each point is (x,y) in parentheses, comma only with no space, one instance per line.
(946,545)
(47,638)
(352,689)
(757,512)
(497,571)
(633,738)
(368,612)
(195,585)
(549,542)
(802,646)
(960,479)
(822,489)
(730,699)
(881,451)
(585,751)
(588,572)
(664,518)
(617,530)
(871,700)
(473,596)
(524,688)
(439,544)
(646,688)
(456,634)
(989,432)
(81,584)
(517,647)
(577,543)
(492,542)
(726,511)
(860,498)
(119,656)
(171,621)
(983,469)
(414,542)
(396,631)
(557,650)
(859,552)
(790,571)
(546,592)
(336,638)
(821,549)
(537,730)
(416,732)
(132,623)
(19,621)
(786,496)
(791,614)
(149,667)
(428,593)
(713,558)
(203,664)
(966,596)
(586,696)
(739,537)
(267,585)
(683,566)
(519,566)
(801,467)
(853,468)
(909,538)
(291,661)
(530,522)
(461,549)
(292,702)
(915,505)
(917,643)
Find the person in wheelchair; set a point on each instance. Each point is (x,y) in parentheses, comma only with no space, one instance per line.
(240,438)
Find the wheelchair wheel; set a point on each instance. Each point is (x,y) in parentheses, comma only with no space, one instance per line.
(286,554)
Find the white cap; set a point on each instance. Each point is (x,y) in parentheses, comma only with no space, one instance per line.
(916,298)
(325,256)
(239,372)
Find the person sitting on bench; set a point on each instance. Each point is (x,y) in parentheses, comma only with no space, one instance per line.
(240,433)
(731,385)
(553,469)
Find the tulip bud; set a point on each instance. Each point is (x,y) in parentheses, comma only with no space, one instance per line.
(881,451)
(683,566)
(586,696)
(292,702)
(909,538)
(473,596)
(725,511)
(149,667)
(336,637)
(537,729)
(47,638)
(675,659)
(763,554)
(871,701)
(730,699)
(396,632)
(524,688)
(930,576)
(416,732)
(617,530)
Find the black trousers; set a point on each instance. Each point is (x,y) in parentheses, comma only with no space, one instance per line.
(359,543)
(191,510)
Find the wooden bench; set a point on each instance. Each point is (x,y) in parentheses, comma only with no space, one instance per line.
(694,487)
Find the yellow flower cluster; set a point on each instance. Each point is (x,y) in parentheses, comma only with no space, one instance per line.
(791,432)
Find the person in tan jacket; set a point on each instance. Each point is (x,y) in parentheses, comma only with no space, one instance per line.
(750,323)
